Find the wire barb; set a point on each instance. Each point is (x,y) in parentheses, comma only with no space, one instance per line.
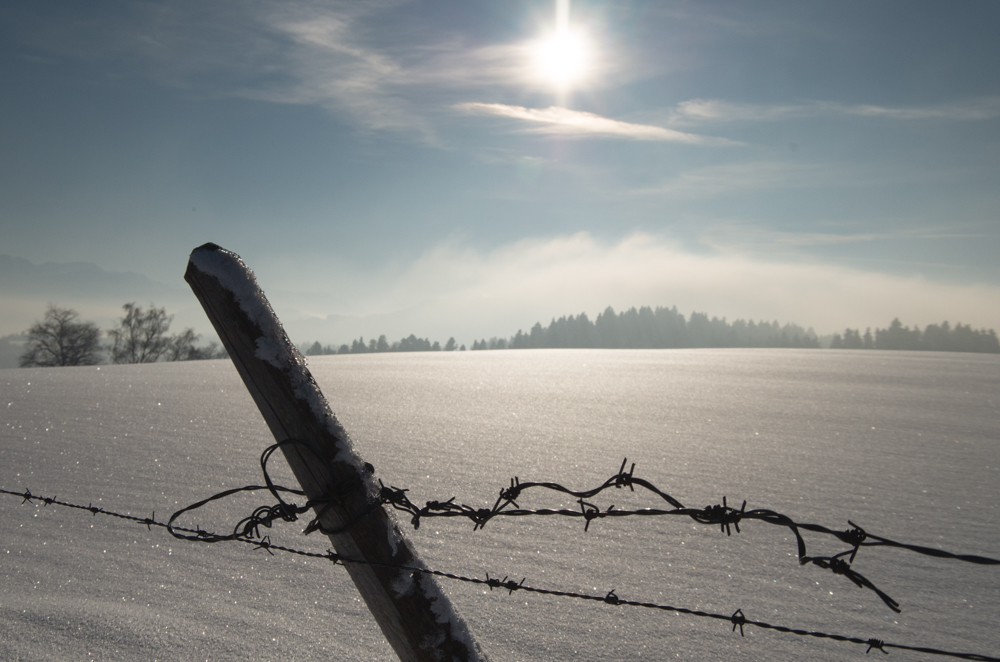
(738,619)
(877,644)
(625,479)
(856,537)
(722,515)
(506,583)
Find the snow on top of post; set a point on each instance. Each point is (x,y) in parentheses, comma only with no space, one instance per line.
(273,345)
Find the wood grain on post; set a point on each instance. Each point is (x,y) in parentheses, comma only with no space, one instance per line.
(416,617)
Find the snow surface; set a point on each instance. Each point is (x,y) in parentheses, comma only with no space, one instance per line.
(905,444)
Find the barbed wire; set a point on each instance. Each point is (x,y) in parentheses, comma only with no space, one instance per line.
(506,505)
(723,515)
(737,618)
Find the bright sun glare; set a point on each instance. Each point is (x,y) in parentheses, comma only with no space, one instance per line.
(563,58)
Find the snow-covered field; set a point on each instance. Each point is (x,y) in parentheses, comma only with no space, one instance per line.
(905,444)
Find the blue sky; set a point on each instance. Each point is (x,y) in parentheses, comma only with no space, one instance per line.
(398,167)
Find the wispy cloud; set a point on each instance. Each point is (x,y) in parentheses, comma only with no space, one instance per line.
(327,63)
(975,110)
(791,174)
(563,121)
(821,238)
(714,110)
(741,177)
(343,56)
(727,237)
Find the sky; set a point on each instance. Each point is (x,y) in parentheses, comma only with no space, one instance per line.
(469,168)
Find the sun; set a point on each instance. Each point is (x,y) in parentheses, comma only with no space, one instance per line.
(564,57)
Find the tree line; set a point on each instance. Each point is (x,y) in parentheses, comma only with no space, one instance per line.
(936,338)
(653,328)
(642,328)
(409,344)
(61,338)
(666,328)
(142,336)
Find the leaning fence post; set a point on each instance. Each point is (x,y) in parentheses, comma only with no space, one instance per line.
(416,617)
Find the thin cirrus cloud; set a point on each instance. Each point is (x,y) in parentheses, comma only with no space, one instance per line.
(716,110)
(763,175)
(326,54)
(556,120)
(738,177)
(305,53)
(325,63)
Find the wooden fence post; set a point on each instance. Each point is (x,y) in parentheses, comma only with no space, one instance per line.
(416,617)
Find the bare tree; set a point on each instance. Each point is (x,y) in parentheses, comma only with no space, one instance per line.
(59,339)
(182,348)
(141,336)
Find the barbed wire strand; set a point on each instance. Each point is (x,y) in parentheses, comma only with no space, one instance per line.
(722,514)
(737,618)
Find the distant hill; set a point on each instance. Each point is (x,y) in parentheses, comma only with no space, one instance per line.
(20,278)
(27,288)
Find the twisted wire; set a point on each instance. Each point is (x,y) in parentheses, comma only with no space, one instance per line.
(723,515)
